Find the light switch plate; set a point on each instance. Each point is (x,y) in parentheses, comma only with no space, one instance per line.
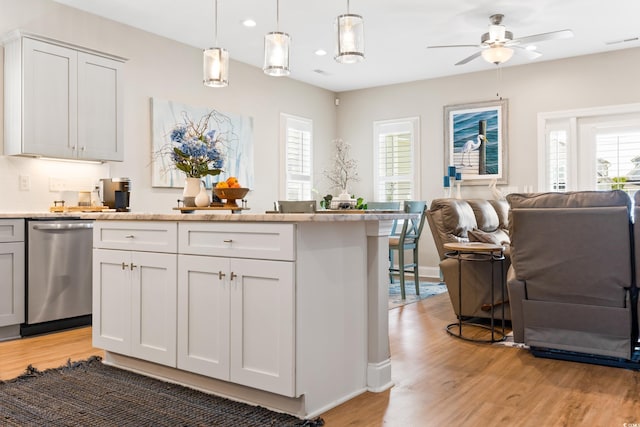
(25,183)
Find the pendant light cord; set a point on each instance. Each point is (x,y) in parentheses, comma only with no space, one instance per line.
(216,23)
(277,15)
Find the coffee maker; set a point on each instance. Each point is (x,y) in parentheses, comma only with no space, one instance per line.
(115,193)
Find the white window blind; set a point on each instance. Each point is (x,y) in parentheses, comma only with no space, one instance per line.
(297,148)
(395,151)
(618,161)
(557,160)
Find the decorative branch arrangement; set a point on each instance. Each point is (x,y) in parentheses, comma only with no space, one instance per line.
(344,170)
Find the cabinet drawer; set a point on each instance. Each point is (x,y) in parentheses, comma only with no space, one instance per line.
(11,230)
(245,240)
(148,236)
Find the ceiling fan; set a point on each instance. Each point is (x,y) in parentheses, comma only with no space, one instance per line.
(497,45)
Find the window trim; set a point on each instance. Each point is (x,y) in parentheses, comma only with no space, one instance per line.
(572,117)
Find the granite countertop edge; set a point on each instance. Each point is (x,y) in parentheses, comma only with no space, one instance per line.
(243,217)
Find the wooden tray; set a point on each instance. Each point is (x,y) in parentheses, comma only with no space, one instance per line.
(78,208)
(209,208)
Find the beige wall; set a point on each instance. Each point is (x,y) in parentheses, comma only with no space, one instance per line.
(162,68)
(588,81)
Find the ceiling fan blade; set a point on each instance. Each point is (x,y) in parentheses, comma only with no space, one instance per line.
(452,45)
(469,58)
(529,54)
(554,35)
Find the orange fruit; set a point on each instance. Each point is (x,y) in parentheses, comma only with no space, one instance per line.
(235,185)
(232,180)
(222,184)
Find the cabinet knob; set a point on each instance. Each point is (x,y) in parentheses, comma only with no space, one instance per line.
(221,275)
(124,265)
(233,275)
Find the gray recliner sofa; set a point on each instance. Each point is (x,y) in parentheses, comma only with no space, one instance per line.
(571,285)
(458,220)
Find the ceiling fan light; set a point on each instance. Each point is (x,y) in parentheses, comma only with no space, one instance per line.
(497,54)
(350,43)
(216,67)
(276,54)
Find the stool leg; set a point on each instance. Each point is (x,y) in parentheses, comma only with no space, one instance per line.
(390,265)
(401,268)
(416,275)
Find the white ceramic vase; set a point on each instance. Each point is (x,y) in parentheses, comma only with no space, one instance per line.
(190,191)
(202,199)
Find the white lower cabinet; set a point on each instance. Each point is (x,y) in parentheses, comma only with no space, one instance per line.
(236,320)
(134,304)
(11,275)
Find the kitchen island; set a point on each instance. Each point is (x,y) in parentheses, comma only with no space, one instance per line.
(286,311)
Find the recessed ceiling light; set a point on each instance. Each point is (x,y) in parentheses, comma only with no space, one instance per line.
(531,47)
(249,23)
(320,52)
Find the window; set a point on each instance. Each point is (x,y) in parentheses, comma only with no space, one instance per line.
(296,147)
(396,149)
(592,149)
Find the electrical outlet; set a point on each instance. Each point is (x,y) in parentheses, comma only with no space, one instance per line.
(57,184)
(25,183)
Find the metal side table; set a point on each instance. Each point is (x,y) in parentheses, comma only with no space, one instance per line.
(477,252)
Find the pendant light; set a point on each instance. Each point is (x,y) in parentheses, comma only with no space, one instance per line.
(216,61)
(276,50)
(350,47)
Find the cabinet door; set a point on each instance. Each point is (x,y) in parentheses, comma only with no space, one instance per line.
(203,315)
(11,283)
(153,311)
(49,123)
(112,301)
(99,108)
(262,325)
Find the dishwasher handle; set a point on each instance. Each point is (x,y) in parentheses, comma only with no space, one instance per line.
(58,226)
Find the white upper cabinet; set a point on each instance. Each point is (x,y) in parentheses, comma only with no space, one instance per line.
(62,101)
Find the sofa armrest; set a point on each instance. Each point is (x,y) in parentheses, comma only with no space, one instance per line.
(517,293)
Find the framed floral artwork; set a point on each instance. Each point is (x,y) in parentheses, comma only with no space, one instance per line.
(475,140)
(235,132)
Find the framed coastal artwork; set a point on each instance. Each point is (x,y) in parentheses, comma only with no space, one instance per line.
(236,132)
(476,141)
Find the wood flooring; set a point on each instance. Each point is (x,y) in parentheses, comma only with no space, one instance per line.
(439,380)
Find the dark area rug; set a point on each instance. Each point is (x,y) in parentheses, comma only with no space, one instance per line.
(89,393)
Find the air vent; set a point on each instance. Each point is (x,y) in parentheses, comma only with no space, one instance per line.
(629,40)
(321,72)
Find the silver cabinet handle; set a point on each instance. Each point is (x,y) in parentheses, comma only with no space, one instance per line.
(124,265)
(132,266)
(129,236)
(221,275)
(233,275)
(228,240)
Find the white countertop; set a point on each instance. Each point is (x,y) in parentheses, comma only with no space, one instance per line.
(320,216)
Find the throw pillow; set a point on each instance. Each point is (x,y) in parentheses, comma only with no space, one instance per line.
(497,237)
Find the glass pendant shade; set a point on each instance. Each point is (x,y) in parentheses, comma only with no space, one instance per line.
(276,54)
(497,54)
(216,67)
(350,47)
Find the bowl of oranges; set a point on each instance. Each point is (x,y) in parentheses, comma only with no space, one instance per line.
(230,191)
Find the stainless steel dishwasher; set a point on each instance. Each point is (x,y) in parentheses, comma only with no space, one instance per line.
(58,280)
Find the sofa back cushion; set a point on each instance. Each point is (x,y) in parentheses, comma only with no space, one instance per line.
(567,251)
(450,220)
(486,216)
